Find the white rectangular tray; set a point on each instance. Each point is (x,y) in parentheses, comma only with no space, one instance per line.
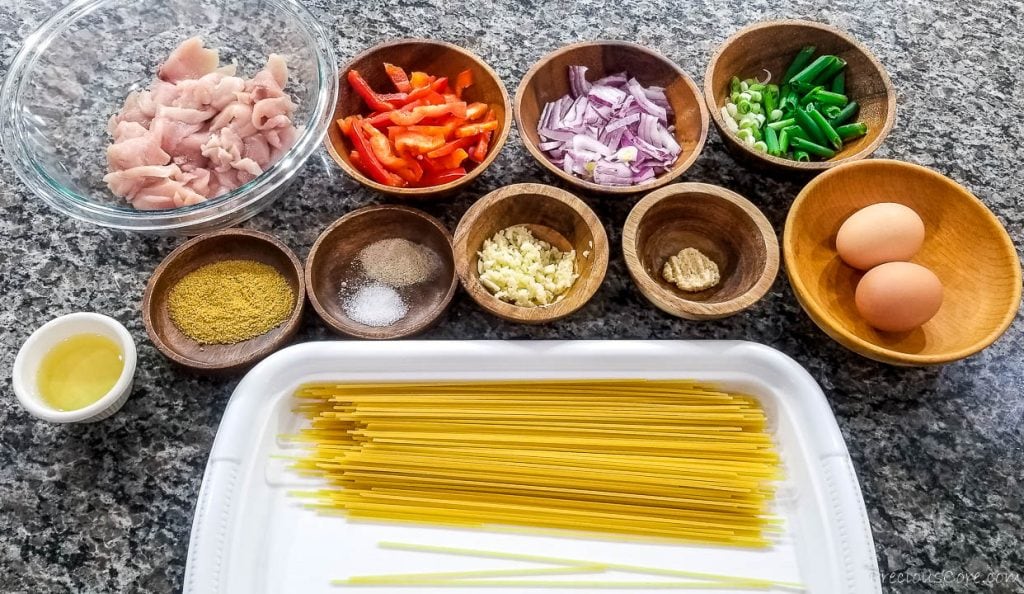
(250,537)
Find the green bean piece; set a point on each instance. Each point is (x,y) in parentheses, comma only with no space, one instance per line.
(783,141)
(779,125)
(808,74)
(829,73)
(802,58)
(801,156)
(830,134)
(772,140)
(831,111)
(845,115)
(734,86)
(851,131)
(839,83)
(812,147)
(804,120)
(829,98)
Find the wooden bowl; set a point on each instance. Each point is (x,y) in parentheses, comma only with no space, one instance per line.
(721,224)
(772,46)
(333,260)
(548,80)
(229,244)
(433,57)
(552,215)
(965,245)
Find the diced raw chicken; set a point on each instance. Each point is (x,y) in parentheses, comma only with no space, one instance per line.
(198,131)
(190,60)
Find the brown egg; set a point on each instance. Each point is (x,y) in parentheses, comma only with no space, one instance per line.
(898,296)
(880,233)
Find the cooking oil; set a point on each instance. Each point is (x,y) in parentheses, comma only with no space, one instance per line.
(79,370)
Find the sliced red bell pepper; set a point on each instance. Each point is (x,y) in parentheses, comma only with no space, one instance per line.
(437,86)
(420,79)
(442,177)
(459,143)
(398,77)
(463,81)
(475,111)
(415,143)
(372,99)
(434,98)
(410,118)
(383,119)
(475,129)
(452,160)
(479,152)
(368,163)
(396,99)
(407,169)
(345,125)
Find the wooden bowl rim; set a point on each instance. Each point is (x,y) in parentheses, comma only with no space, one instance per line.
(344,328)
(545,313)
(810,166)
(858,344)
(674,304)
(291,325)
(498,141)
(678,168)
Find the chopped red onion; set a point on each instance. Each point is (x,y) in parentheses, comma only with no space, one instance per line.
(613,131)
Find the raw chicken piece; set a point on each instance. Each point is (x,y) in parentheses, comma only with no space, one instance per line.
(198,131)
(190,60)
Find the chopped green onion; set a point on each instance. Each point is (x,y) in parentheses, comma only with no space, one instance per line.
(771,98)
(808,74)
(760,147)
(839,83)
(734,85)
(829,98)
(783,141)
(801,156)
(813,148)
(851,131)
(775,115)
(730,122)
(801,60)
(829,73)
(731,109)
(796,132)
(846,114)
(744,86)
(831,111)
(809,96)
(772,141)
(826,129)
(743,106)
(780,124)
(755,107)
(804,120)
(759,87)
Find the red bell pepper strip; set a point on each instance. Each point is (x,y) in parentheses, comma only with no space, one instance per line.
(368,163)
(463,81)
(410,118)
(479,152)
(345,125)
(420,79)
(453,160)
(381,146)
(398,77)
(475,111)
(448,148)
(475,129)
(415,143)
(372,99)
(437,86)
(383,119)
(443,177)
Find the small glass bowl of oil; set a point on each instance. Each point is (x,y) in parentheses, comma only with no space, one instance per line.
(77,368)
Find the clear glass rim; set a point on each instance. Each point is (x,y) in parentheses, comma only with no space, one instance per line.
(73,204)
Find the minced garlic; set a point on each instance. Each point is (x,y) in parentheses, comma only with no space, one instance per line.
(518,268)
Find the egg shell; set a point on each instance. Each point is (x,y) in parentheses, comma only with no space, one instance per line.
(880,233)
(898,296)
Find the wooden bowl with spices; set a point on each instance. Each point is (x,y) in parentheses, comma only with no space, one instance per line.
(223,301)
(382,272)
(728,255)
(558,224)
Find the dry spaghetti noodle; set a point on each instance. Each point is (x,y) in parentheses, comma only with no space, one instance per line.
(668,459)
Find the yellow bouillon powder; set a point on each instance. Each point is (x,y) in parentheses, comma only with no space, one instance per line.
(230,301)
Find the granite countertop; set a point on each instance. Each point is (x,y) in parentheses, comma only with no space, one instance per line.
(108,507)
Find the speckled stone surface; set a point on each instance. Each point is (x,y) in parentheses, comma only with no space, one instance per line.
(108,507)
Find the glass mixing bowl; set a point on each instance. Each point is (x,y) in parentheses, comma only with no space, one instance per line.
(76,70)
